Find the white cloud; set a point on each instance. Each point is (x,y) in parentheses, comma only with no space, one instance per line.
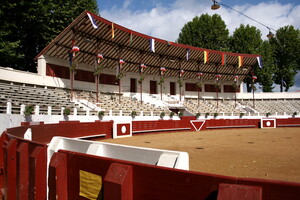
(165,22)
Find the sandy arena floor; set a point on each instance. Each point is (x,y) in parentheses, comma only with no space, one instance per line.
(256,153)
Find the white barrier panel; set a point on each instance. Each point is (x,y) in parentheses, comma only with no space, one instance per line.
(28,134)
(165,158)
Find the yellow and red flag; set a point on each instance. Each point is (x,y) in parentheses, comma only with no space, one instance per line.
(112,31)
(240,61)
(206,57)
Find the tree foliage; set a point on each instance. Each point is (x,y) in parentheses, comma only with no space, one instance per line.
(205,32)
(286,47)
(266,73)
(28,26)
(246,39)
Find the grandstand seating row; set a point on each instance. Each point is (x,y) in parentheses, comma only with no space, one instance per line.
(115,105)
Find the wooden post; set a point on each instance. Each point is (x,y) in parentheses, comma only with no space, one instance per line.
(118,182)
(38,173)
(161,91)
(141,91)
(58,187)
(217,99)
(97,88)
(119,91)
(23,171)
(253,98)
(72,80)
(198,96)
(10,169)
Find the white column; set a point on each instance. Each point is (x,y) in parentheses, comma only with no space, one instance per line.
(142,113)
(49,110)
(8,108)
(62,110)
(37,110)
(110,113)
(121,112)
(22,109)
(41,66)
(75,112)
(87,112)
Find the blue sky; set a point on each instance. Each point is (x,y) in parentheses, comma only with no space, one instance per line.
(165,18)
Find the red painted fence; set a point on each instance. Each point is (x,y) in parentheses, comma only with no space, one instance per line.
(23,166)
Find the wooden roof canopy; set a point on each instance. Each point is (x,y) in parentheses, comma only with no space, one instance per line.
(170,55)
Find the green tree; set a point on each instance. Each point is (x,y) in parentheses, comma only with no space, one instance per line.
(246,39)
(28,26)
(205,32)
(266,73)
(286,47)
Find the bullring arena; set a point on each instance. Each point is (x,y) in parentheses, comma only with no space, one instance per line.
(193,132)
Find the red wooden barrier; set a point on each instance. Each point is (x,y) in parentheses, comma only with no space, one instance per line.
(149,182)
(38,170)
(58,185)
(272,189)
(239,192)
(23,171)
(10,171)
(118,182)
(289,122)
(44,133)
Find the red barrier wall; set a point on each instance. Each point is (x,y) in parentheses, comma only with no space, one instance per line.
(44,133)
(23,165)
(161,125)
(289,122)
(149,182)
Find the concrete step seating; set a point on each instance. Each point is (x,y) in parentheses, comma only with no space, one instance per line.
(42,96)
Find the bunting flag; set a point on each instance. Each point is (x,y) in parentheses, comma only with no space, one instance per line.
(224,58)
(92,20)
(240,61)
(259,61)
(112,31)
(206,57)
(188,52)
(130,37)
(152,45)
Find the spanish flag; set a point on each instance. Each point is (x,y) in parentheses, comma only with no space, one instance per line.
(206,57)
(112,31)
(224,58)
(240,61)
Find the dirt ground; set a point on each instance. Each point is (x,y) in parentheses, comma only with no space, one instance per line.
(256,153)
